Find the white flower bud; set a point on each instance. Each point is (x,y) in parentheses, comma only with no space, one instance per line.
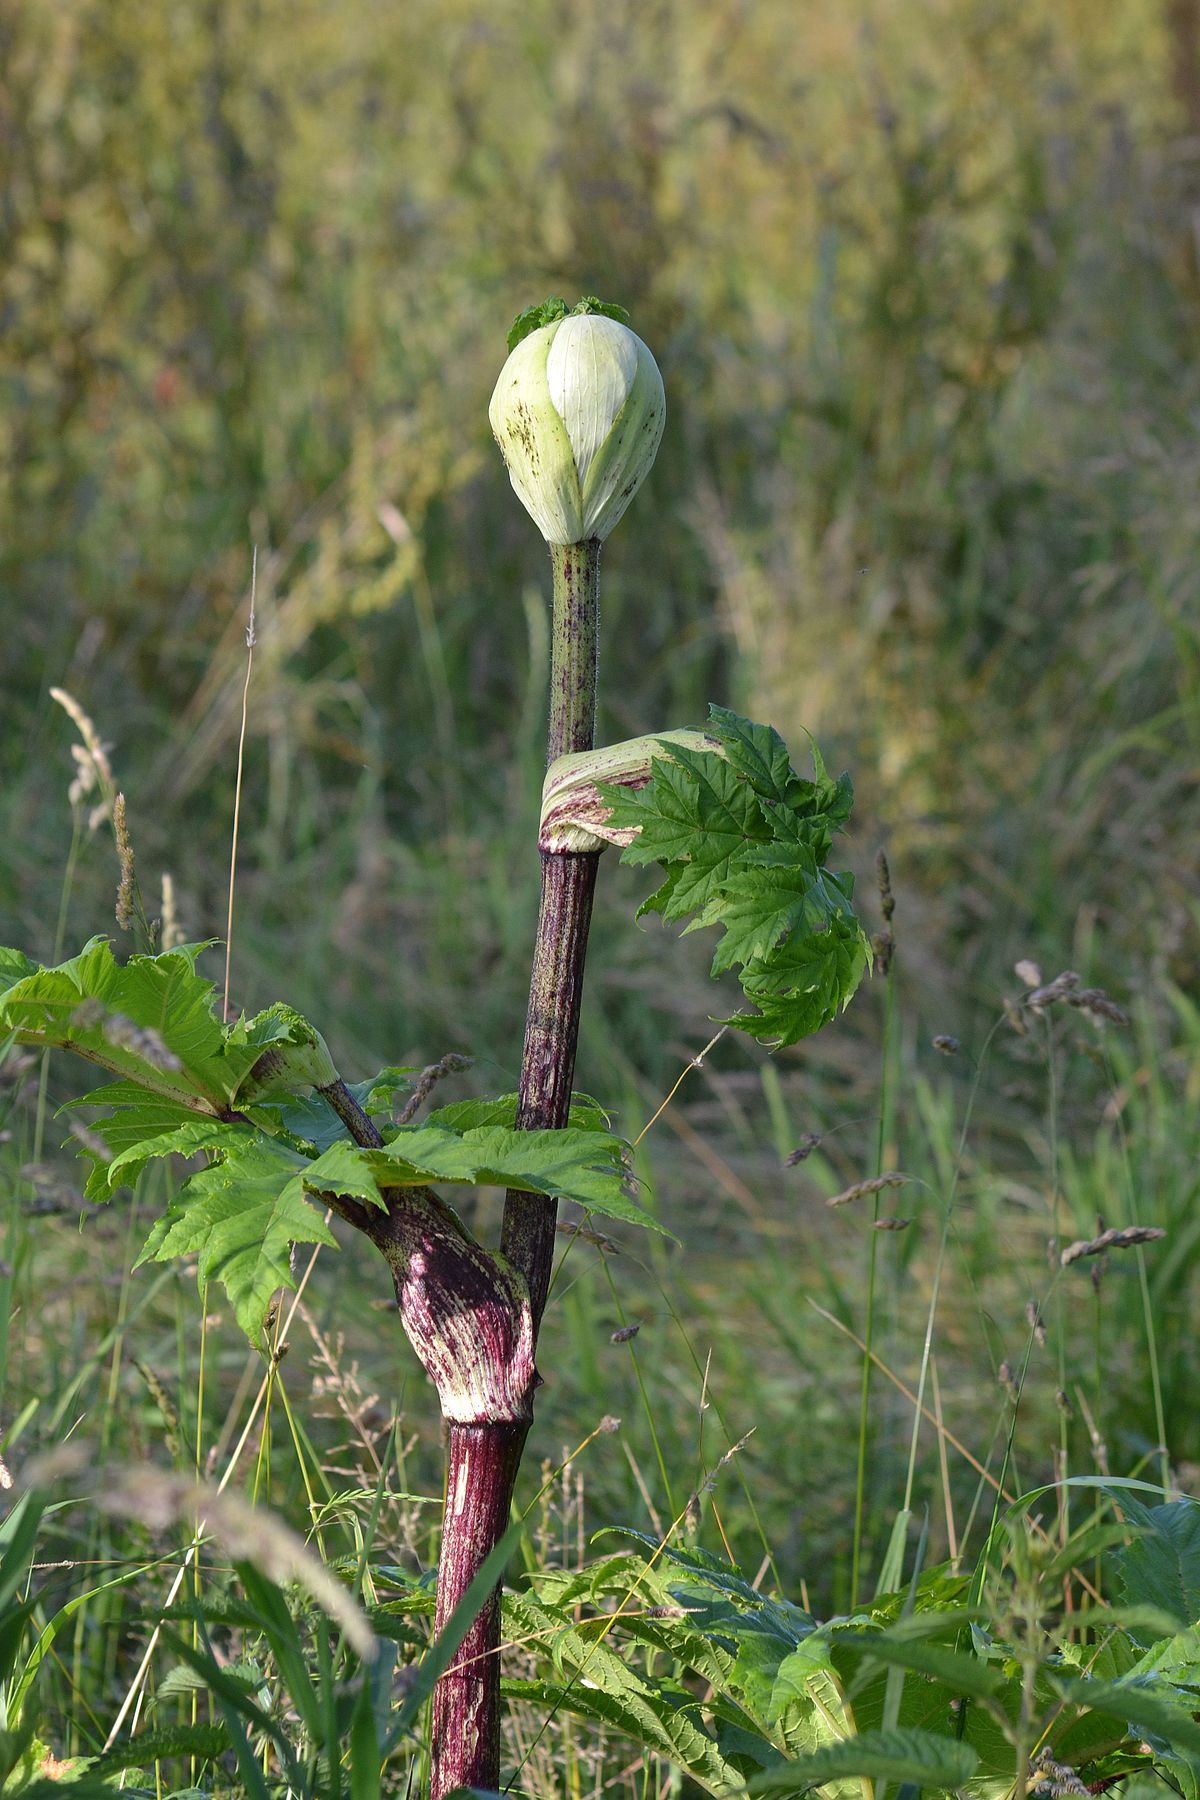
(578,413)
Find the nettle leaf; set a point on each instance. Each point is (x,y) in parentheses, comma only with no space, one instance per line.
(1145,1704)
(743,840)
(925,1758)
(599,1681)
(1161,1567)
(14,966)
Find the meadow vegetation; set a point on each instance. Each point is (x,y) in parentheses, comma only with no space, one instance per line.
(924,287)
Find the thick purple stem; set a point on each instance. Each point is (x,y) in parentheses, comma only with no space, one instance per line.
(564,915)
(481,1472)
(548,1065)
(485,1448)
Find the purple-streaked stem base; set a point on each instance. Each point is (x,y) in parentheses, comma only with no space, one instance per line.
(481,1472)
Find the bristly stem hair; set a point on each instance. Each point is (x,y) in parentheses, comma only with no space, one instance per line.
(237,791)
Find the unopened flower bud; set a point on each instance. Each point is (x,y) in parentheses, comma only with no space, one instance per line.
(578,413)
(295,1055)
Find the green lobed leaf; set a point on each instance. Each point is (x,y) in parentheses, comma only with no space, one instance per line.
(743,840)
(240,1217)
(804,983)
(760,754)
(14,966)
(783,895)
(588,1166)
(608,309)
(311,1121)
(586,1114)
(695,810)
(755,751)
(230,1139)
(136,1115)
(150,1020)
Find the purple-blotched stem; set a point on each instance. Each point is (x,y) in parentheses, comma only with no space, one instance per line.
(564,915)
(548,1065)
(483,1458)
(481,1472)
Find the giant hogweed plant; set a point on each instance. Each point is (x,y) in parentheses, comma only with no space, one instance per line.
(285,1142)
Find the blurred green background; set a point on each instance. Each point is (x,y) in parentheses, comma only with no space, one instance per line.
(923,283)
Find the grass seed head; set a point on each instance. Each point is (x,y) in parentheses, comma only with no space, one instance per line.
(1116,1238)
(861,1189)
(126,914)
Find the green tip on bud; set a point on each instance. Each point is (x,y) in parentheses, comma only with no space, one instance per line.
(578,413)
(574,813)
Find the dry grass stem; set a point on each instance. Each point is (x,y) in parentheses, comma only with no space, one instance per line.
(574,1228)
(251,640)
(92,767)
(171,931)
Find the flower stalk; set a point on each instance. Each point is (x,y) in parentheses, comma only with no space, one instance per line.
(484,1456)
(568,883)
